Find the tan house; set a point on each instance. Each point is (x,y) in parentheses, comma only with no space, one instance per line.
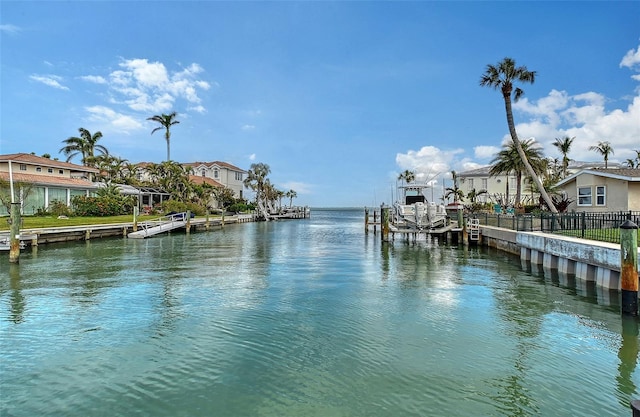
(603,190)
(227,175)
(39,181)
(502,188)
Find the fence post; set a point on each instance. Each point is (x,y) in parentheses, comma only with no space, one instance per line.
(629,267)
(583,223)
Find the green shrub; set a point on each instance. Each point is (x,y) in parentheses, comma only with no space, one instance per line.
(111,205)
(58,208)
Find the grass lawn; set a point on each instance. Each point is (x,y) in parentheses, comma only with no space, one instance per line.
(35,222)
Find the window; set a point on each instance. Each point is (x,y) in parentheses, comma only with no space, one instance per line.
(50,170)
(61,171)
(584,196)
(484,184)
(23,167)
(215,173)
(601,195)
(512,183)
(38,169)
(238,176)
(204,172)
(470,183)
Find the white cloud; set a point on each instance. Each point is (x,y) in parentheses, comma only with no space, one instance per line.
(96,79)
(586,117)
(428,162)
(298,187)
(248,127)
(50,80)
(112,120)
(10,29)
(198,109)
(149,87)
(485,152)
(631,59)
(252,157)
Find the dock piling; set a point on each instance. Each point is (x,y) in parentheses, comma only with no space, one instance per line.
(14,241)
(629,268)
(384,217)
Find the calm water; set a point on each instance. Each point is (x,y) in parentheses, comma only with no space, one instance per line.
(304,318)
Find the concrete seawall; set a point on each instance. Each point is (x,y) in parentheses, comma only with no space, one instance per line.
(587,260)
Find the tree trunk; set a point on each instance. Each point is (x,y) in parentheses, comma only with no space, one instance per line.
(523,156)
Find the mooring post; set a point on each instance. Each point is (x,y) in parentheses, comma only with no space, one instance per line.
(222,219)
(188,226)
(135,218)
(14,241)
(366,221)
(629,267)
(206,222)
(375,221)
(384,214)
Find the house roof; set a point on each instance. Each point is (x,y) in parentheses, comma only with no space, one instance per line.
(197,179)
(27,158)
(218,163)
(573,166)
(48,180)
(624,174)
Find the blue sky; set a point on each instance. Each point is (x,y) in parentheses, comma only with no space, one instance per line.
(337,97)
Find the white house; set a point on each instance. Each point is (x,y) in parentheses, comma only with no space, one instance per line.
(47,180)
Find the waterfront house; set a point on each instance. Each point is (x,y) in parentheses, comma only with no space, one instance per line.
(222,173)
(40,181)
(502,188)
(603,190)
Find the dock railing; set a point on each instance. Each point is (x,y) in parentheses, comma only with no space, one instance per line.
(595,226)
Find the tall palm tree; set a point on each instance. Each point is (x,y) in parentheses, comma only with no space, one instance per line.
(454,191)
(407,176)
(604,149)
(502,76)
(564,146)
(508,161)
(166,121)
(84,145)
(291,194)
(256,178)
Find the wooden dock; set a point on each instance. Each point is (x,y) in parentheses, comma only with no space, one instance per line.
(468,233)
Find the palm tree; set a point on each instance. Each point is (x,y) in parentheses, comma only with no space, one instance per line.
(84,145)
(604,149)
(502,76)
(166,121)
(256,177)
(454,191)
(291,194)
(508,161)
(564,146)
(408,176)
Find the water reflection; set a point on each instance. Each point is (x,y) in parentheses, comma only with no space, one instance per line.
(17,300)
(628,355)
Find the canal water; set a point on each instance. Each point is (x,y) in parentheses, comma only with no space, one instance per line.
(304,318)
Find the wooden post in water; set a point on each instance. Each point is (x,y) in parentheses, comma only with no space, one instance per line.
(206,222)
(14,240)
(222,219)
(384,217)
(375,221)
(188,226)
(366,221)
(629,268)
(135,218)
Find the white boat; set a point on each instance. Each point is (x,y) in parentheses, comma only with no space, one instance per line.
(5,243)
(415,212)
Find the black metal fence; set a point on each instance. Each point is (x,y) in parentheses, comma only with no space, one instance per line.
(595,226)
